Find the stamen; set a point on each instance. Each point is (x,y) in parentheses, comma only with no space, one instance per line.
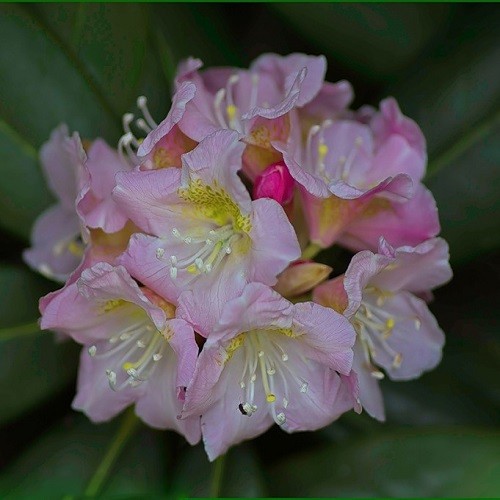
(142,105)
(141,123)
(111,378)
(219,97)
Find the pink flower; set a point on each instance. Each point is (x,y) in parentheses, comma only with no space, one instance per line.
(254,102)
(204,223)
(395,329)
(97,207)
(267,360)
(136,350)
(56,248)
(352,172)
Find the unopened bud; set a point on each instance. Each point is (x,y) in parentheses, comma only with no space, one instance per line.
(275,182)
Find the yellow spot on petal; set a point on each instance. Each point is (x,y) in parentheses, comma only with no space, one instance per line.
(231,111)
(192,269)
(322,151)
(112,304)
(215,203)
(235,343)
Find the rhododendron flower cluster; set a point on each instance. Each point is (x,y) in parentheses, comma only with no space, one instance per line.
(188,254)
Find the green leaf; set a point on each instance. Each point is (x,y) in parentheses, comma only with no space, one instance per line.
(44,84)
(376,40)
(198,31)
(240,475)
(110,43)
(32,368)
(62,462)
(456,462)
(466,190)
(454,95)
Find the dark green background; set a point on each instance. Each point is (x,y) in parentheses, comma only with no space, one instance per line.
(84,64)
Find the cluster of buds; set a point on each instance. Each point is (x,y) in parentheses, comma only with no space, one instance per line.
(187,254)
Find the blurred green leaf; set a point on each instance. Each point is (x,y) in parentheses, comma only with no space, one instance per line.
(376,40)
(454,95)
(195,30)
(452,462)
(466,191)
(32,368)
(112,42)
(44,84)
(457,86)
(108,40)
(64,459)
(241,475)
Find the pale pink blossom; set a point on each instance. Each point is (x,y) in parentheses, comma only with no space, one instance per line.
(268,361)
(56,248)
(135,349)
(395,329)
(201,223)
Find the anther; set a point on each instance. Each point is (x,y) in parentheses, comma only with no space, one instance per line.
(92,350)
(157,356)
(141,123)
(303,387)
(111,378)
(160,252)
(141,344)
(173,272)
(398,359)
(280,418)
(377,374)
(285,403)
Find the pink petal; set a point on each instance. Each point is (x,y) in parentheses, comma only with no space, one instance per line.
(94,396)
(416,336)
(62,159)
(184,94)
(407,223)
(329,333)
(146,198)
(274,243)
(52,251)
(370,394)
(390,121)
(416,269)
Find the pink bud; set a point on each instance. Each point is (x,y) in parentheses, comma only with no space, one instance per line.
(275,182)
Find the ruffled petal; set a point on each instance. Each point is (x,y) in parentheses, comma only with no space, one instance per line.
(54,251)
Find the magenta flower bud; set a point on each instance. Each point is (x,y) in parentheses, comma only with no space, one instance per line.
(275,182)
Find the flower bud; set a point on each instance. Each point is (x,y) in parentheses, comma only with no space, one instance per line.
(275,182)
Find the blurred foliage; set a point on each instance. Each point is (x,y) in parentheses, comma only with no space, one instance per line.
(85,64)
